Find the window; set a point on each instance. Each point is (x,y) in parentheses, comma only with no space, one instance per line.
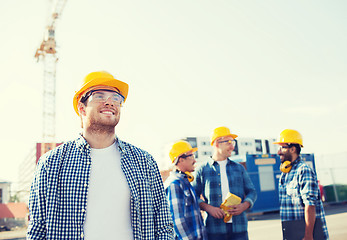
(258,146)
(236,147)
(266,178)
(267,146)
(0,195)
(193,143)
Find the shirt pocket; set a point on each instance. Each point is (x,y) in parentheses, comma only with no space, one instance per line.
(293,193)
(188,198)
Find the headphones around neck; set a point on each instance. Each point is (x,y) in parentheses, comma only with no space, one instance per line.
(189,175)
(286,166)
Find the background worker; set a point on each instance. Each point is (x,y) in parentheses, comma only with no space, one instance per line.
(215,179)
(97,186)
(183,202)
(300,199)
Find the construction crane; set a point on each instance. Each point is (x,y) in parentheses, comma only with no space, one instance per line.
(47,53)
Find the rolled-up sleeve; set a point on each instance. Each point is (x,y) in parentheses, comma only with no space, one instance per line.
(250,192)
(308,186)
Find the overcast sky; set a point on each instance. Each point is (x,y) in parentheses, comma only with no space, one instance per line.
(257,67)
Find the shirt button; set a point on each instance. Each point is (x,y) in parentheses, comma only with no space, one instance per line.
(86,185)
(82,235)
(83,210)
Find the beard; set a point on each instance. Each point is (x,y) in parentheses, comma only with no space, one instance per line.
(98,125)
(286,157)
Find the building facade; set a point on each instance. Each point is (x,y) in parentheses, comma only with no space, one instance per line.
(5,190)
(26,174)
(243,146)
(27,169)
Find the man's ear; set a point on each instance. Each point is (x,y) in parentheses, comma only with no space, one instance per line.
(81,109)
(292,150)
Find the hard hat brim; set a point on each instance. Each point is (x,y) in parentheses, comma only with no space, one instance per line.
(194,149)
(174,161)
(121,86)
(228,135)
(288,143)
(191,150)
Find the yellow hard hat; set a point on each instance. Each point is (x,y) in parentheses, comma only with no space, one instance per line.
(221,132)
(100,78)
(290,136)
(179,148)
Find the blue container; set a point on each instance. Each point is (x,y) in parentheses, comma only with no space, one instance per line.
(264,172)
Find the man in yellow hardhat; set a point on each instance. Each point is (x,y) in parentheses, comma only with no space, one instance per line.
(218,177)
(301,208)
(98,186)
(183,202)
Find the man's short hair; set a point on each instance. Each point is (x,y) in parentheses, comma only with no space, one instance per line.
(297,147)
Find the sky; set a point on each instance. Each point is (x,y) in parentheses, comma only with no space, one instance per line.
(257,67)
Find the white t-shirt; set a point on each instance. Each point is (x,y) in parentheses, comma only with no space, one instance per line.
(108,206)
(224,180)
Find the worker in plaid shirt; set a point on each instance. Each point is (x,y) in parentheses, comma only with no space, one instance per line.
(97,186)
(183,202)
(300,199)
(214,179)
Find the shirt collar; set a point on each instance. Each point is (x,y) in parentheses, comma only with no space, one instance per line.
(82,144)
(121,144)
(180,174)
(296,161)
(212,161)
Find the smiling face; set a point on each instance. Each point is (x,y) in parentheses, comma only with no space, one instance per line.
(101,110)
(186,162)
(285,152)
(225,146)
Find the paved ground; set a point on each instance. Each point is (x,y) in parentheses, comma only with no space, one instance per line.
(268,226)
(261,227)
(18,234)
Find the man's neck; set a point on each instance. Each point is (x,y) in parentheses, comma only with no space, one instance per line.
(97,140)
(218,157)
(295,156)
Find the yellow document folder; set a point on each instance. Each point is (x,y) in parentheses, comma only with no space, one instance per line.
(230,200)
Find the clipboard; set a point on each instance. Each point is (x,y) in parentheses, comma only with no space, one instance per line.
(295,230)
(230,200)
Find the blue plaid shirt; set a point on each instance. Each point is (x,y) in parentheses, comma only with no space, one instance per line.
(184,207)
(208,184)
(58,197)
(298,188)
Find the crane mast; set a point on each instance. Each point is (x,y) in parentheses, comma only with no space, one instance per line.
(48,55)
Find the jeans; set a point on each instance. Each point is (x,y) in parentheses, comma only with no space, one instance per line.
(230,235)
